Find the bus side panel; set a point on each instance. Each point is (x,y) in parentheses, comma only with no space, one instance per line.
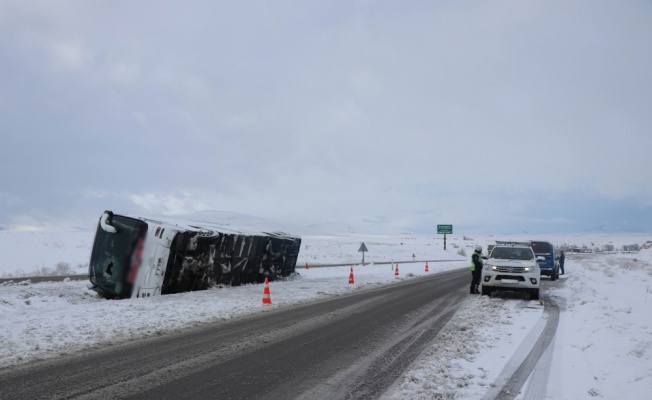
(256,259)
(249,272)
(174,265)
(238,259)
(191,263)
(223,259)
(292,255)
(280,256)
(196,263)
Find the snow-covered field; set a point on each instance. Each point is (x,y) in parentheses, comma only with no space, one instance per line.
(27,253)
(602,348)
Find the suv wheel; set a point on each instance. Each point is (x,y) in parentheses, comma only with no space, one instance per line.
(554,275)
(486,291)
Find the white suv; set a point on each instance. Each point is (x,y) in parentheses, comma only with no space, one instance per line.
(511,266)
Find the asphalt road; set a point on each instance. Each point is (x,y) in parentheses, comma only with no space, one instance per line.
(348,347)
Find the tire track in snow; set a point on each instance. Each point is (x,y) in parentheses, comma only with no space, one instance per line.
(509,383)
(538,382)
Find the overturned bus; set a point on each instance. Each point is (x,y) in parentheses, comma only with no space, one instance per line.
(140,257)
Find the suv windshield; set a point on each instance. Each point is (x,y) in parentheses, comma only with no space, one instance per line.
(541,247)
(114,253)
(512,253)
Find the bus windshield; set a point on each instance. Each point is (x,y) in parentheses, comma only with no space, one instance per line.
(115,254)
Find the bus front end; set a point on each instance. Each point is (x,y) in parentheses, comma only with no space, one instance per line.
(117,255)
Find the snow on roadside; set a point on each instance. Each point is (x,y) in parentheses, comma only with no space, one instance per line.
(603,348)
(471,351)
(44,320)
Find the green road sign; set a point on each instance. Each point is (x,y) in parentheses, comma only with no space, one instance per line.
(445,229)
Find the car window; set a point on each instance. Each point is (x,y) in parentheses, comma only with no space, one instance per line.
(498,252)
(541,247)
(511,253)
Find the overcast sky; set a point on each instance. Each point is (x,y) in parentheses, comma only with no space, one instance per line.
(493,116)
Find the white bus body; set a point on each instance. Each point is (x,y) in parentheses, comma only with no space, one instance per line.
(141,257)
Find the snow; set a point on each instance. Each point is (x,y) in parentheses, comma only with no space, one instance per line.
(607,310)
(43,252)
(316,250)
(43,320)
(602,348)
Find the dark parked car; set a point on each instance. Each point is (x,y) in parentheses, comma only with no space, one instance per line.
(550,266)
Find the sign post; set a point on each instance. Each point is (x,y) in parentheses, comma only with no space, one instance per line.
(445,229)
(362,249)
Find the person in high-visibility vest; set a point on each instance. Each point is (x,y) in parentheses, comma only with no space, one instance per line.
(476,269)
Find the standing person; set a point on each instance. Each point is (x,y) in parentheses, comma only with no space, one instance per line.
(562,258)
(476,269)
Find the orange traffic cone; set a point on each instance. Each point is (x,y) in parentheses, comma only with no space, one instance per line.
(351,280)
(426,266)
(396,270)
(267,299)
(306,265)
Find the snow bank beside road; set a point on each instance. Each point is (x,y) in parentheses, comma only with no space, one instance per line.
(604,344)
(471,351)
(47,319)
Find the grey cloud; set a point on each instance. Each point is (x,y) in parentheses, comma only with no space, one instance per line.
(327,111)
